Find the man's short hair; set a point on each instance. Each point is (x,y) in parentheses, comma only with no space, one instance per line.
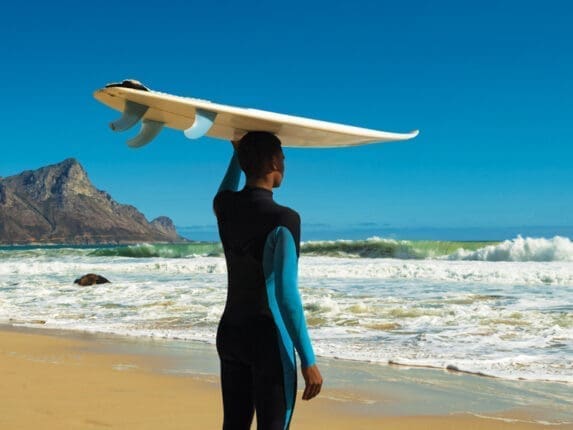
(256,151)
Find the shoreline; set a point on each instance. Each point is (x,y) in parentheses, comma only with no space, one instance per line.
(356,395)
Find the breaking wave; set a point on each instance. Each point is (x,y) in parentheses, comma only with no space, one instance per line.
(558,248)
(147,250)
(520,249)
(376,247)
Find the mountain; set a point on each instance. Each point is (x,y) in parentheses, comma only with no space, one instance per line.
(59,204)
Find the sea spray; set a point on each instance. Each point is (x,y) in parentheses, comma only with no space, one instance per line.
(520,249)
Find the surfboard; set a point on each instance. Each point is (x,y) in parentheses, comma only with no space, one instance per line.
(197,118)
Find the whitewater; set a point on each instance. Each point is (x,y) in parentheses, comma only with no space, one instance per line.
(503,309)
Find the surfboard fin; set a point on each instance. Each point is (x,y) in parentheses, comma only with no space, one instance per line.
(149,129)
(132,113)
(203,122)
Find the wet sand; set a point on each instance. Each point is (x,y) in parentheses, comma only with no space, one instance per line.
(65,382)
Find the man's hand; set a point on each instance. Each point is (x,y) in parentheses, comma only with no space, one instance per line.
(313,381)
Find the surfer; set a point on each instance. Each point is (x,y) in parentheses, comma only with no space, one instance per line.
(263,321)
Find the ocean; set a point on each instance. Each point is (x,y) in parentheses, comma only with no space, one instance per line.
(502,309)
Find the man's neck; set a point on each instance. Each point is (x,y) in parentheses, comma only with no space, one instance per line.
(264,182)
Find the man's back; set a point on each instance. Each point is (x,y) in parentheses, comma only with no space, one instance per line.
(245,219)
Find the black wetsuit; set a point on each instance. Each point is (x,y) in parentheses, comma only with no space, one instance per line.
(263,321)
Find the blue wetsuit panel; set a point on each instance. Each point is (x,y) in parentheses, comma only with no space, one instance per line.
(280,264)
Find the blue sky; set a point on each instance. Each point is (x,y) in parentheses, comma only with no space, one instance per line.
(489,85)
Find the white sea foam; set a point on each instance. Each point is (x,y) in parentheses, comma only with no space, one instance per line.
(507,319)
(533,273)
(521,249)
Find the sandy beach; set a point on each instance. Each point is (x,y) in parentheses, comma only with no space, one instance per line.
(64,382)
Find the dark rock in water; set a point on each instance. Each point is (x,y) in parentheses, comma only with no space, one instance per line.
(59,204)
(91,279)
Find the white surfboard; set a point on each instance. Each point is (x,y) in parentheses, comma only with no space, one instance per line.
(198,117)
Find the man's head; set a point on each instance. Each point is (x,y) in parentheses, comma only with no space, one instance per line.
(260,154)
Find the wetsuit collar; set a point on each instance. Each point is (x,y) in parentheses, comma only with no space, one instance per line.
(251,188)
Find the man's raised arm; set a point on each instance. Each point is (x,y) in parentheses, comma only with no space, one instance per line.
(232,177)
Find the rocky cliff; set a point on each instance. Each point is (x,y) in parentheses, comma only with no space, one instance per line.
(59,204)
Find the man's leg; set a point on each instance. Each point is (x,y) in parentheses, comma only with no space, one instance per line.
(238,402)
(274,379)
(236,378)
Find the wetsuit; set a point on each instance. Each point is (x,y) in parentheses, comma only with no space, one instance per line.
(263,321)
